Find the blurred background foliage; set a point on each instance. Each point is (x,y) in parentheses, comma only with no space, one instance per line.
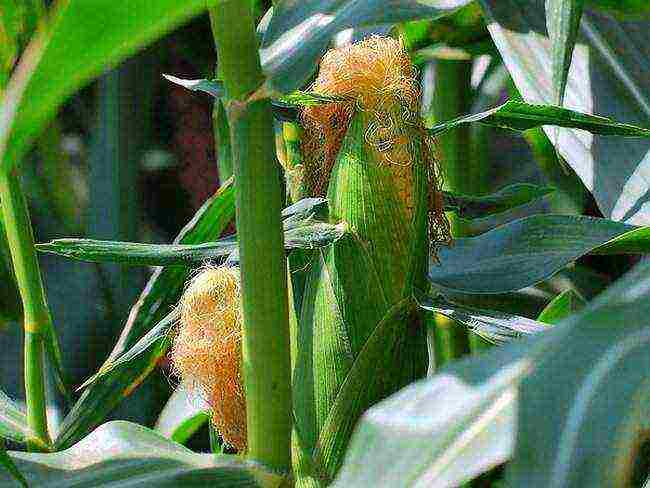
(131,157)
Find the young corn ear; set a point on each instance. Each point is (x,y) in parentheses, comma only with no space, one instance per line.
(358,331)
(206,352)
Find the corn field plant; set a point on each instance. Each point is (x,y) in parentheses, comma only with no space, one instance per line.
(366,323)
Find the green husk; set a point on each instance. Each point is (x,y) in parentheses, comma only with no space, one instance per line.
(357,336)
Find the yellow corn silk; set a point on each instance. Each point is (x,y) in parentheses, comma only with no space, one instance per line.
(206,352)
(358,334)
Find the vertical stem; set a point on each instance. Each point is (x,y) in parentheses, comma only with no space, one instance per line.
(222,140)
(266,358)
(452,97)
(37,319)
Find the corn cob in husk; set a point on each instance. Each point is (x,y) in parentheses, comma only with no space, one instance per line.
(357,334)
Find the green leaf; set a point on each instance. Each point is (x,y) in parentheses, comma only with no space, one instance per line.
(304,229)
(284,107)
(608,75)
(493,326)
(184,413)
(154,342)
(566,303)
(442,431)
(596,394)
(8,464)
(633,242)
(472,207)
(562,22)
(298,33)
(129,455)
(517,115)
(625,9)
(211,87)
(81,41)
(13,421)
(157,300)
(530,250)
(592,371)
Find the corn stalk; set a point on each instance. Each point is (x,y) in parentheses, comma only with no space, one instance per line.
(266,362)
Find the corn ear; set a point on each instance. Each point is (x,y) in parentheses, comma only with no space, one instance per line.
(358,331)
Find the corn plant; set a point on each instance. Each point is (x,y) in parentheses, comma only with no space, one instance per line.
(365,324)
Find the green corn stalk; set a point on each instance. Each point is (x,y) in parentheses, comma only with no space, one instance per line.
(358,335)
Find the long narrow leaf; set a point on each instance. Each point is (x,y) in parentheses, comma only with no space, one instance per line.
(609,76)
(307,236)
(184,413)
(562,306)
(530,250)
(562,21)
(471,207)
(129,455)
(519,116)
(495,327)
(305,223)
(156,339)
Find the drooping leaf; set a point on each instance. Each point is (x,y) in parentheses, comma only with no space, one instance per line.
(82,39)
(157,300)
(305,225)
(184,413)
(562,22)
(493,326)
(298,33)
(8,464)
(565,304)
(129,455)
(608,76)
(445,430)
(471,207)
(442,431)
(527,251)
(517,115)
(308,235)
(596,392)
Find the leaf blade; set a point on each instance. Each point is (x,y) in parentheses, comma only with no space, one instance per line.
(184,413)
(131,455)
(518,115)
(565,304)
(562,21)
(608,75)
(299,32)
(527,251)
(509,197)
(409,437)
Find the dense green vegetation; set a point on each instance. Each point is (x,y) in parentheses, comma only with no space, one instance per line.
(443,279)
